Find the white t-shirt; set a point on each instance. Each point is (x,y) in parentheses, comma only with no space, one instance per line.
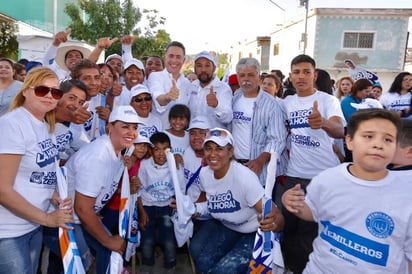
(395,101)
(152,124)
(242,126)
(93,127)
(68,141)
(191,164)
(364,226)
(91,172)
(178,144)
(232,198)
(35,180)
(311,149)
(157,186)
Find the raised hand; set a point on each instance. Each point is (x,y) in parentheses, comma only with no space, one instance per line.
(81,115)
(129,39)
(61,37)
(106,42)
(211,98)
(315,119)
(173,94)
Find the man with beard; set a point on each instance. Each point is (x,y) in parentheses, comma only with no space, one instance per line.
(209,96)
(258,124)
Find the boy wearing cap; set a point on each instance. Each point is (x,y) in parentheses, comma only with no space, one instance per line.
(91,171)
(209,96)
(133,75)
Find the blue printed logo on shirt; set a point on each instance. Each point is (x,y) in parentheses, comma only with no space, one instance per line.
(299,118)
(358,246)
(222,203)
(379,224)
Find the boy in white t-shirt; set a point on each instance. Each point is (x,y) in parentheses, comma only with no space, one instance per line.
(363,210)
(155,196)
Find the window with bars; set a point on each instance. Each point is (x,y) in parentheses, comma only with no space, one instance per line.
(360,40)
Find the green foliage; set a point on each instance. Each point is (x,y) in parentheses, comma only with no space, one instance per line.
(107,18)
(110,18)
(9,46)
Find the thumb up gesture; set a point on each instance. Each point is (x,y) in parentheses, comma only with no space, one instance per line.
(211,98)
(315,119)
(174,91)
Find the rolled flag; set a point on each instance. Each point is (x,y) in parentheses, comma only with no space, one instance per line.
(267,254)
(72,261)
(116,259)
(185,208)
(133,239)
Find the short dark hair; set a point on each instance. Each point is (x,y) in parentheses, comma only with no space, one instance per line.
(179,110)
(303,58)
(160,138)
(68,84)
(363,115)
(176,44)
(83,64)
(405,133)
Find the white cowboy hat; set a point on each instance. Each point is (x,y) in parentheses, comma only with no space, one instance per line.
(63,50)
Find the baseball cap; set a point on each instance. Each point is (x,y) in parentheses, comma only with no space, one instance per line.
(138,89)
(142,139)
(207,55)
(125,114)
(220,136)
(199,122)
(134,62)
(377,84)
(113,56)
(233,80)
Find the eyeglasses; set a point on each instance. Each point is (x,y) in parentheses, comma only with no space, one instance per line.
(139,100)
(42,91)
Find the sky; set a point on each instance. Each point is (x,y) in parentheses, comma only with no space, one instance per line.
(215,25)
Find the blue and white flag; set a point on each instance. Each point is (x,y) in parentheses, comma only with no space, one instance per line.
(267,254)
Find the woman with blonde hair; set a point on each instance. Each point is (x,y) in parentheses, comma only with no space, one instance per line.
(343,86)
(28,173)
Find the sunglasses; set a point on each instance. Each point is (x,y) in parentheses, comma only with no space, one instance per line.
(42,91)
(146,99)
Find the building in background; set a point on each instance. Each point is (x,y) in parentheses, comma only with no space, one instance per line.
(375,39)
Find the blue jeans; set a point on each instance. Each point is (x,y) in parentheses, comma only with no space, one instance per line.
(158,230)
(51,240)
(101,253)
(199,240)
(21,254)
(225,251)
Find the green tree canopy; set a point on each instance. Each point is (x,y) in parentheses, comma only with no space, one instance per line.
(93,19)
(9,46)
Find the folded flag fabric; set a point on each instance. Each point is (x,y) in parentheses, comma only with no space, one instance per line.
(72,261)
(267,254)
(185,208)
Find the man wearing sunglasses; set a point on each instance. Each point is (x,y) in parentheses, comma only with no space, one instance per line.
(258,124)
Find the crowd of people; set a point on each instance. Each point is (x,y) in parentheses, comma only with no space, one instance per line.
(344,155)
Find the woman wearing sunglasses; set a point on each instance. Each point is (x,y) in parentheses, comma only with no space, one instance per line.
(142,102)
(28,173)
(234,198)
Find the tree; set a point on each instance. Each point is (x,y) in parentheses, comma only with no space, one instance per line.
(111,18)
(9,46)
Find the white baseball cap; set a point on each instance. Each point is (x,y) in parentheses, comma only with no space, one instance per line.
(139,89)
(113,56)
(220,136)
(134,62)
(207,55)
(199,122)
(125,114)
(142,139)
